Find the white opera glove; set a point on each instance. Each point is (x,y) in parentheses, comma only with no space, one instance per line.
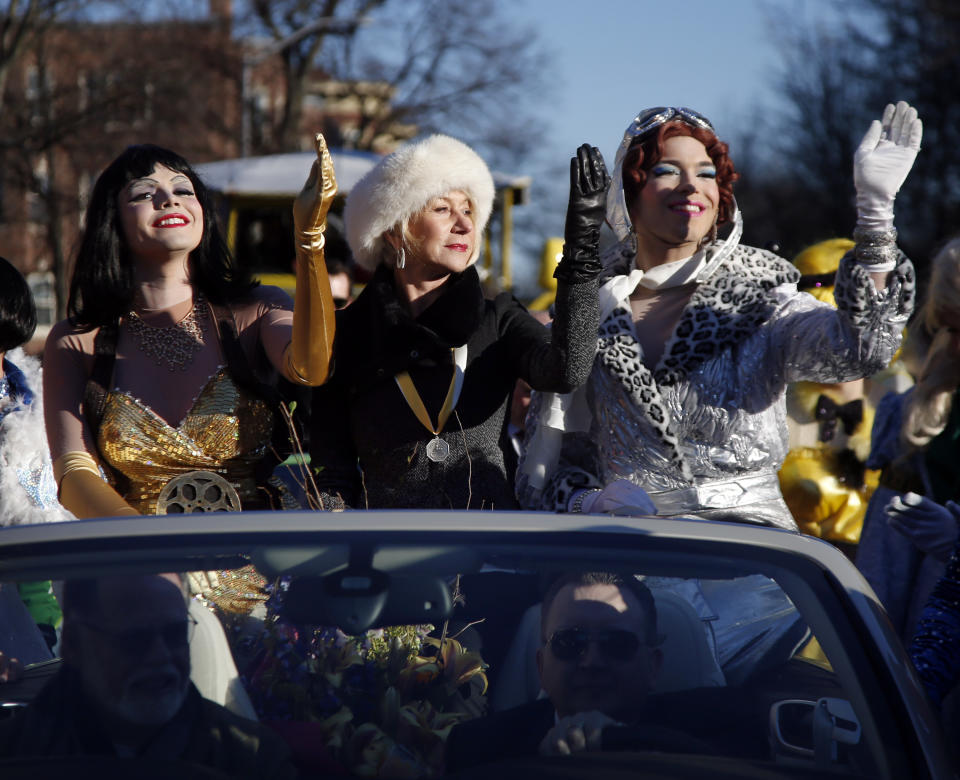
(931,527)
(620,497)
(882,162)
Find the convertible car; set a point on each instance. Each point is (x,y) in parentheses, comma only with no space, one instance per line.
(375,633)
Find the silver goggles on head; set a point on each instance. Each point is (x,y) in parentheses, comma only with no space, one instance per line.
(618,217)
(652,118)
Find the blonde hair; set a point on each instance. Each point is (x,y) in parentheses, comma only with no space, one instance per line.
(388,254)
(403,182)
(929,407)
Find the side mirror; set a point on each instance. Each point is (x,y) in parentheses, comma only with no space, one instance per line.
(813,729)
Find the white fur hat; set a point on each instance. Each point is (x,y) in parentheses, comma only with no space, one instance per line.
(402,183)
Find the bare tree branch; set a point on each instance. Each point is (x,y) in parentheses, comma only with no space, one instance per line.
(835,80)
(461,68)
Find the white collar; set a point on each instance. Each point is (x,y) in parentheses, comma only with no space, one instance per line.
(618,289)
(675,273)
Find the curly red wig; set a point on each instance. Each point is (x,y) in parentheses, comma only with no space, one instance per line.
(646,151)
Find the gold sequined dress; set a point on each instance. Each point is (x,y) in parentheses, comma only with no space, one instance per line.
(226,431)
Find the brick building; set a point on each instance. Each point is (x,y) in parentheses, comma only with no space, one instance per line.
(87,90)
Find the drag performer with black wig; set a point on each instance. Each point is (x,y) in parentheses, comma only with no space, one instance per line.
(414,415)
(166,364)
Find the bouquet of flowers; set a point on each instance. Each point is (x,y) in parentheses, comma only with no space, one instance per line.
(379,704)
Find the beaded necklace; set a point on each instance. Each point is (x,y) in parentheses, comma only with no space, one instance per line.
(171,345)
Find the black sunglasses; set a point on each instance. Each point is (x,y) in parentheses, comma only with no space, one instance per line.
(136,641)
(618,644)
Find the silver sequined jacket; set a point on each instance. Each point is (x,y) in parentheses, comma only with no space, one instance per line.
(705,432)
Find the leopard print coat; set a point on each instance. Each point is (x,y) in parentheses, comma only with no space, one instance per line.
(713,408)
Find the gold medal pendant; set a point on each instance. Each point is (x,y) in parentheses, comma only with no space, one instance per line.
(438,450)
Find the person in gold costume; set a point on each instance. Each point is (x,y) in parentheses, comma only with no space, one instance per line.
(165,365)
(823,478)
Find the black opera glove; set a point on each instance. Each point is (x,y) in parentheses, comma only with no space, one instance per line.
(585,214)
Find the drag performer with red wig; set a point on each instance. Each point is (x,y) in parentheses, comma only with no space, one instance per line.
(700,335)
(684,412)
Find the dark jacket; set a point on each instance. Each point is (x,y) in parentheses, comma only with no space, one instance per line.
(502,736)
(364,437)
(61,722)
(935,649)
(517,732)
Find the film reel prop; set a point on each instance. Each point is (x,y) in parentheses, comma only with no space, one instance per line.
(233,592)
(198,491)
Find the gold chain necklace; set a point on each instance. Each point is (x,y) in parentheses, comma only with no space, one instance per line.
(172,345)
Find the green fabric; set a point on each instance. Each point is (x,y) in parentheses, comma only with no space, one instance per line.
(943,458)
(41,603)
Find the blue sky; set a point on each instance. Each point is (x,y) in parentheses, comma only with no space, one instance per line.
(614,58)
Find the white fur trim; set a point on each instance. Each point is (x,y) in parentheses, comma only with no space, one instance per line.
(23,446)
(402,183)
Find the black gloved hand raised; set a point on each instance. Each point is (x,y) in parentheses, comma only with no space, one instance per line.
(585,215)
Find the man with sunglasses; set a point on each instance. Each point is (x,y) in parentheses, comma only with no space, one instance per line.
(124,688)
(600,656)
(599,660)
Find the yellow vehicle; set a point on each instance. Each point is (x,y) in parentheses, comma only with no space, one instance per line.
(549,257)
(255,196)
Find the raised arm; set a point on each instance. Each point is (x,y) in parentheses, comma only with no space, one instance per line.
(880,166)
(564,362)
(875,286)
(308,355)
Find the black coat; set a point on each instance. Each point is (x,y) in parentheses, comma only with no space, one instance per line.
(368,447)
(510,734)
(517,733)
(61,721)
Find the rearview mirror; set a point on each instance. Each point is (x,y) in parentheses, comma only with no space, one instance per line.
(356,600)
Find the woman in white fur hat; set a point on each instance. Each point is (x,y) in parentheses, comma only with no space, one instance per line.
(424,365)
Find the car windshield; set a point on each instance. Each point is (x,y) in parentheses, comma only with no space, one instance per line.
(422,651)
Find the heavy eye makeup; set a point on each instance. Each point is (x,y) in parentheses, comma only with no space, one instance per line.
(144,189)
(663,169)
(140,191)
(666,169)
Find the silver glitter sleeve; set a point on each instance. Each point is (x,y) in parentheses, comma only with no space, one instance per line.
(817,343)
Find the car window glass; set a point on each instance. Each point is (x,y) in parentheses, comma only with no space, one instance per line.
(742,675)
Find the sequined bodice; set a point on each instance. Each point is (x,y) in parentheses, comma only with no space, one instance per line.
(227,431)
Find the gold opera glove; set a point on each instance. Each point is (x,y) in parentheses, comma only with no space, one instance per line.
(83,491)
(308,356)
